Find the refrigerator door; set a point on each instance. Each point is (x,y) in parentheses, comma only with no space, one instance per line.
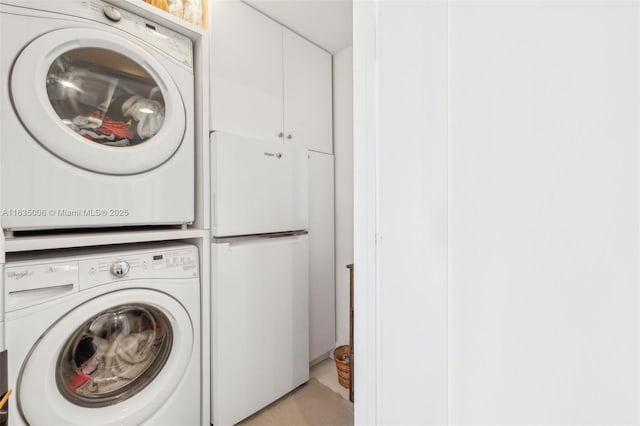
(258,186)
(260,324)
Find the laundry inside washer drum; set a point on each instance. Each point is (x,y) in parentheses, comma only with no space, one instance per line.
(114,355)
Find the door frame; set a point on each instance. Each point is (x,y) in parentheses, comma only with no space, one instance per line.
(367,284)
(401,208)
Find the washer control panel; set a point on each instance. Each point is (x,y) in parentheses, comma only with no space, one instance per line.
(174,263)
(35,278)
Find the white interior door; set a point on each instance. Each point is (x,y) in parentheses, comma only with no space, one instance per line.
(246,71)
(260,330)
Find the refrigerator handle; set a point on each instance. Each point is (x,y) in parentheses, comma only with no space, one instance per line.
(276,237)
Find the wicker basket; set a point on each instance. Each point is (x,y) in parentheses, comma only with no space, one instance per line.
(341,357)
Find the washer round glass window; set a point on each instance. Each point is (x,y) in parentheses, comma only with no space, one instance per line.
(105,97)
(114,355)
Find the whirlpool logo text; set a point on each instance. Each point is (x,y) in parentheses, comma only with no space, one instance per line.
(271,154)
(19,275)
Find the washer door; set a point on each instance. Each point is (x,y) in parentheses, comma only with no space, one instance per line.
(98,101)
(107,362)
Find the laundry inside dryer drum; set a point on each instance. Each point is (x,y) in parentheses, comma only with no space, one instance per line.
(105,97)
(114,355)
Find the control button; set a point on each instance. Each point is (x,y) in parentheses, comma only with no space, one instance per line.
(120,269)
(112,13)
(92,271)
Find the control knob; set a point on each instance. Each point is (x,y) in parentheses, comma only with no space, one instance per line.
(120,269)
(112,13)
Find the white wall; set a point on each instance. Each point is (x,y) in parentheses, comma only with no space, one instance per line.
(343,152)
(541,211)
(544,213)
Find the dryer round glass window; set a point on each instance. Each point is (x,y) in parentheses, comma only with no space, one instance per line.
(114,355)
(105,97)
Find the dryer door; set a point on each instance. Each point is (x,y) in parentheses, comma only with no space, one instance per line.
(98,101)
(113,365)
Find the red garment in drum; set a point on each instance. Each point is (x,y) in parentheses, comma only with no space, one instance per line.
(118,128)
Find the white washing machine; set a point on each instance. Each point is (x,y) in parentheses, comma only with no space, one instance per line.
(104,336)
(97,110)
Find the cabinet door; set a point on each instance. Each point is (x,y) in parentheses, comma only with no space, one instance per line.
(322,311)
(307,94)
(260,327)
(257,186)
(246,71)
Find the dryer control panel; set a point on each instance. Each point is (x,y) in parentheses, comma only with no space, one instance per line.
(176,45)
(172,43)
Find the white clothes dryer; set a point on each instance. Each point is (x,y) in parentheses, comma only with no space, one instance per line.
(105,336)
(97,112)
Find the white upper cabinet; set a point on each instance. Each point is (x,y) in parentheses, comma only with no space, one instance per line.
(266,81)
(246,71)
(307,94)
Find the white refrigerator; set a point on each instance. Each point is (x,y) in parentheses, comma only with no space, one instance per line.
(260,274)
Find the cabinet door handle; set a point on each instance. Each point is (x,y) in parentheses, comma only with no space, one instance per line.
(289,137)
(280,134)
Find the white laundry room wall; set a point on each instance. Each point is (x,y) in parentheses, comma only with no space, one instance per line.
(343,153)
(541,215)
(543,212)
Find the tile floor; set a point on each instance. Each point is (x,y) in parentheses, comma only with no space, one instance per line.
(325,372)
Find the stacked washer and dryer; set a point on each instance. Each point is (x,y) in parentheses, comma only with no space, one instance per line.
(97,110)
